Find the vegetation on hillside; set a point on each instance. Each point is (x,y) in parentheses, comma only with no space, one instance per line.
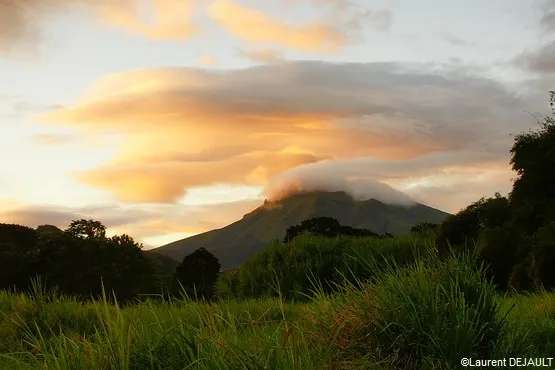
(292,270)
(237,242)
(325,226)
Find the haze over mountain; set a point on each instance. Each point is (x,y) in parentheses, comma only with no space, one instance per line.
(238,241)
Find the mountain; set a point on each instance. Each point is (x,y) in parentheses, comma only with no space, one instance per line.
(236,242)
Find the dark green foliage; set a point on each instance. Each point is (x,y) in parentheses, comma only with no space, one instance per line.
(424,227)
(78,261)
(197,274)
(434,313)
(516,232)
(463,228)
(92,261)
(90,229)
(44,230)
(325,226)
(501,250)
(533,206)
(293,270)
(533,194)
(16,246)
(536,269)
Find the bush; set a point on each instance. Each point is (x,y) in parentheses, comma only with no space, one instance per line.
(463,228)
(434,313)
(293,270)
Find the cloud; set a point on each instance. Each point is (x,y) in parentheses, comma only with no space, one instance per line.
(167,181)
(257,28)
(168,19)
(21,21)
(457,41)
(141,222)
(541,60)
(318,177)
(52,139)
(548,16)
(455,189)
(447,180)
(33,216)
(353,15)
(186,127)
(264,56)
(207,60)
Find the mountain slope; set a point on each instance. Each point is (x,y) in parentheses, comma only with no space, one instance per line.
(238,241)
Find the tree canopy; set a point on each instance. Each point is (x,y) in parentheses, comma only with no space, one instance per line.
(78,261)
(515,233)
(325,226)
(197,274)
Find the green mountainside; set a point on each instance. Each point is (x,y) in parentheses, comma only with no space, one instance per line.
(235,243)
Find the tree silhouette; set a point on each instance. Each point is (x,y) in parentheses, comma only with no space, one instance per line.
(48,229)
(197,274)
(464,227)
(77,260)
(516,233)
(90,229)
(325,226)
(16,246)
(424,227)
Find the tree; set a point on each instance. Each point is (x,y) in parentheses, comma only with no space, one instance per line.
(48,230)
(533,159)
(424,227)
(325,226)
(464,227)
(125,241)
(90,229)
(516,233)
(16,246)
(197,274)
(82,260)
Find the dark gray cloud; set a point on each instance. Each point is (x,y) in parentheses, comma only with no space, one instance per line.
(540,60)
(548,17)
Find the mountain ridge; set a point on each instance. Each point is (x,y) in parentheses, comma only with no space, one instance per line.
(236,242)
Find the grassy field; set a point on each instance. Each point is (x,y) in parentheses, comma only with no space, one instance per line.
(426,313)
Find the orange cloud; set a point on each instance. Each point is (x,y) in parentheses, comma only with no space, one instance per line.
(261,56)
(207,60)
(21,21)
(167,181)
(184,127)
(167,19)
(255,27)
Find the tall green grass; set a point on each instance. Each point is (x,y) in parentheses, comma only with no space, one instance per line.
(293,269)
(410,310)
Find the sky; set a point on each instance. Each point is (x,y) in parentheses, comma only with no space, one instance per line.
(167,118)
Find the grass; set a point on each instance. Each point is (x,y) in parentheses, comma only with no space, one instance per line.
(423,313)
(291,270)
